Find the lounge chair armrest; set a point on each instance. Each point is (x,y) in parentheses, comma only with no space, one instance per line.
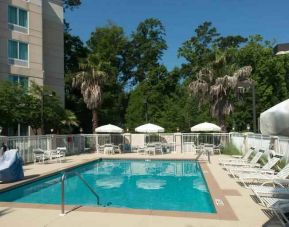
(283,182)
(237,156)
(272,183)
(266,172)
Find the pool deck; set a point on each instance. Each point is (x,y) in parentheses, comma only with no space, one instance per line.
(236,208)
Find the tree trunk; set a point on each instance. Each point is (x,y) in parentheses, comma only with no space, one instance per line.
(222,123)
(94,120)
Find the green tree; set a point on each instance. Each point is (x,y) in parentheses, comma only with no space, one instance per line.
(211,58)
(74,50)
(109,43)
(271,74)
(198,50)
(21,106)
(44,99)
(71,4)
(11,97)
(219,90)
(69,121)
(90,81)
(146,48)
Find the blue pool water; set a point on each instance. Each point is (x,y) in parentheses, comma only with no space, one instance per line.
(139,184)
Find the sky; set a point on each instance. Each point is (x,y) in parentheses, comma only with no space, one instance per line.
(268,18)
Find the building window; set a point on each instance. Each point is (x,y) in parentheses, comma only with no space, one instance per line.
(17,16)
(20,80)
(17,53)
(17,19)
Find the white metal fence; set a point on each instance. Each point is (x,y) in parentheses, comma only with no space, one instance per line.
(280,145)
(190,139)
(80,143)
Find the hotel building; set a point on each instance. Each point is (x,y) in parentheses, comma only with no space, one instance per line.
(32,44)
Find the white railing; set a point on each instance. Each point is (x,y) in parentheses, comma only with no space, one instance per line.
(190,139)
(178,142)
(280,145)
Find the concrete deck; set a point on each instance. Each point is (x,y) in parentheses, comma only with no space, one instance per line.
(239,208)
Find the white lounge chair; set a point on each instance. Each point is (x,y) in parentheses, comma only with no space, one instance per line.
(267,168)
(237,158)
(261,191)
(252,163)
(264,177)
(280,207)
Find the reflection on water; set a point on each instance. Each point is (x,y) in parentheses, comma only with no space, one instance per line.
(150,184)
(110,182)
(198,184)
(157,168)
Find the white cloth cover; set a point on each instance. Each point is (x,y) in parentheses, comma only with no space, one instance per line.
(275,121)
(11,166)
(206,127)
(109,129)
(149,128)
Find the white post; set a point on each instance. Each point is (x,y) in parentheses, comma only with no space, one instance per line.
(178,140)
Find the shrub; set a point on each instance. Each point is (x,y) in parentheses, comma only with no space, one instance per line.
(263,160)
(281,164)
(230,149)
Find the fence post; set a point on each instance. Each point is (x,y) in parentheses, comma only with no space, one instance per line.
(178,139)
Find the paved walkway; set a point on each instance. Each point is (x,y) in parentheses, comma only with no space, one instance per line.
(248,213)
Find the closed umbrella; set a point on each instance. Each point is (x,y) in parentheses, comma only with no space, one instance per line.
(109,129)
(274,121)
(206,127)
(149,128)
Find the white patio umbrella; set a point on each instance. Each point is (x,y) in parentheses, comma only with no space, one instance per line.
(149,128)
(206,127)
(109,129)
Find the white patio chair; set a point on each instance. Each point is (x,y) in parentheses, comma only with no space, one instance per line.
(108,149)
(197,148)
(151,150)
(267,168)
(158,148)
(59,153)
(117,149)
(264,177)
(100,148)
(140,150)
(217,149)
(40,155)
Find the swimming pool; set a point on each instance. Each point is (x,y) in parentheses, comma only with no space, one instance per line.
(137,184)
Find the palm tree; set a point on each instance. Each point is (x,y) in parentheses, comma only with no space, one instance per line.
(69,119)
(210,88)
(90,80)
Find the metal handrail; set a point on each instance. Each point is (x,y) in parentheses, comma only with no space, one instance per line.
(85,183)
(204,151)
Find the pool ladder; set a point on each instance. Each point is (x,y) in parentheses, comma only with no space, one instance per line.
(84,182)
(204,151)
